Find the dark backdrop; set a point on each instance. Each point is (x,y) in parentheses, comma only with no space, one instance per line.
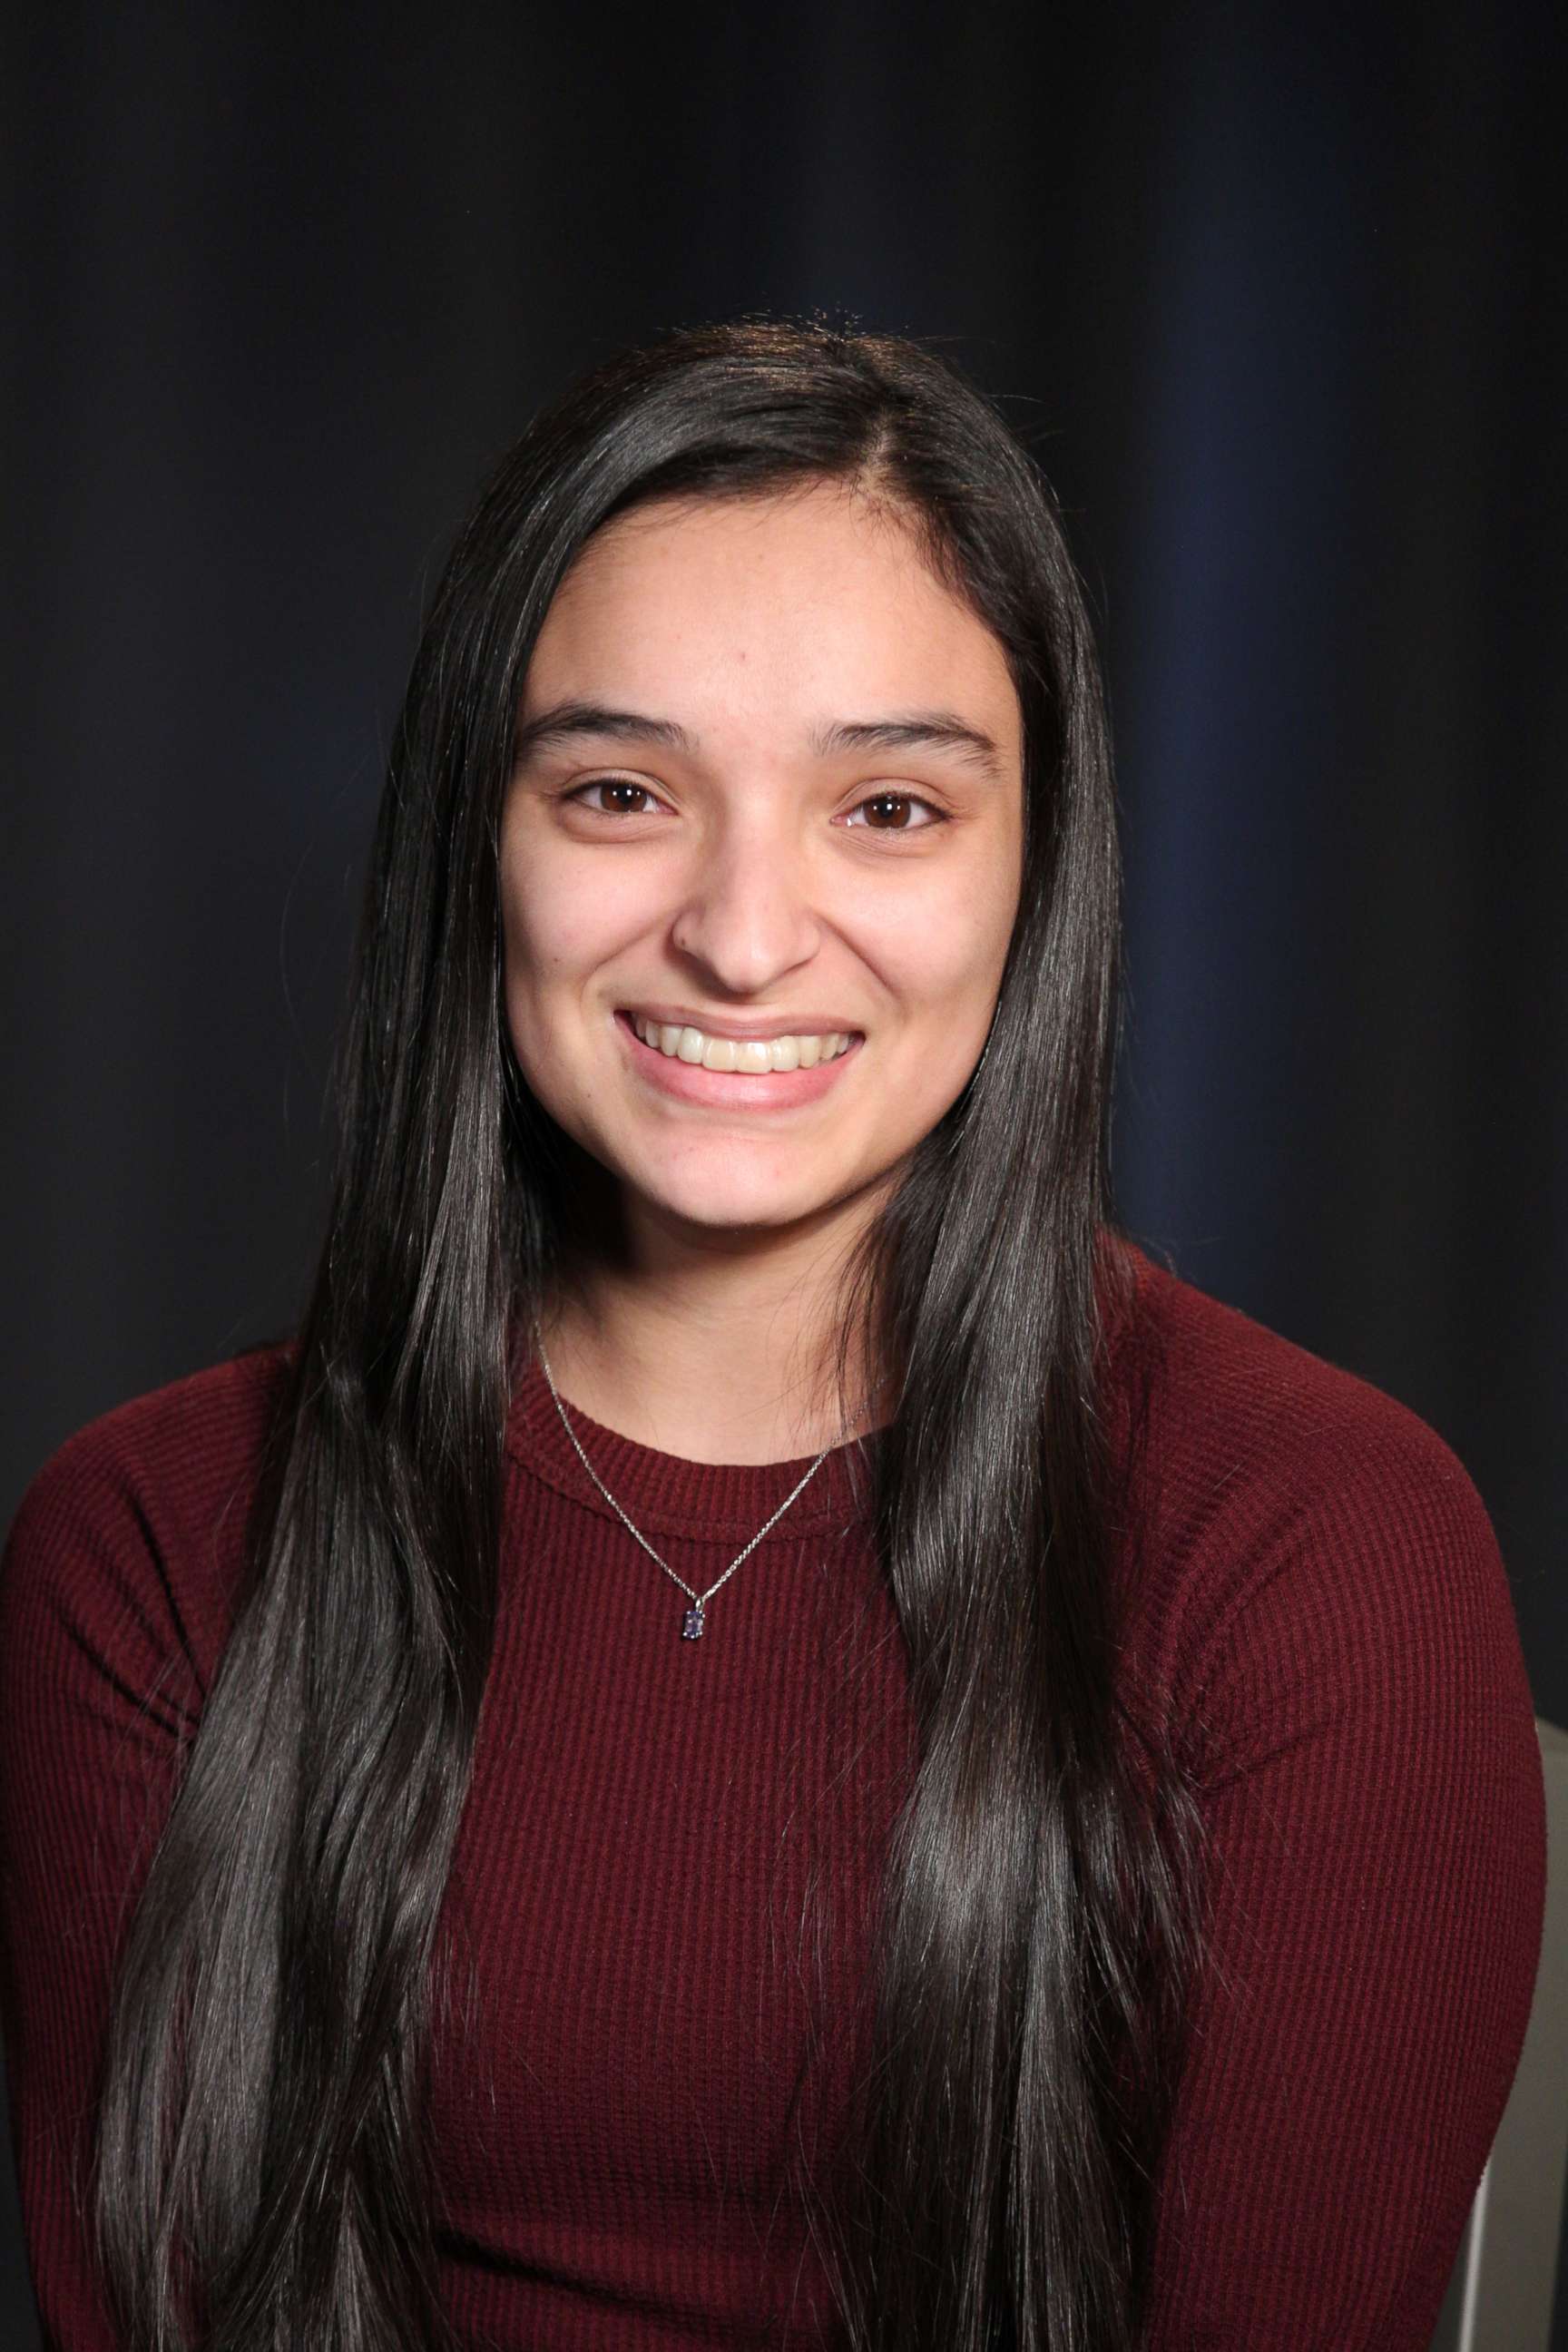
(1274,292)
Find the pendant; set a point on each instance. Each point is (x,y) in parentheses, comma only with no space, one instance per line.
(691,1624)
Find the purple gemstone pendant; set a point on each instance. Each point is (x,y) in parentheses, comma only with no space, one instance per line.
(691,1624)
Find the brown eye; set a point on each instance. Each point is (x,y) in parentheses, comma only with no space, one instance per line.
(622,784)
(891,815)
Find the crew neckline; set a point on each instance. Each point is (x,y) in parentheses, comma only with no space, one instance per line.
(670,1493)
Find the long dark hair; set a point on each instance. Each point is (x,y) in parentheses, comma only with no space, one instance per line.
(262,2173)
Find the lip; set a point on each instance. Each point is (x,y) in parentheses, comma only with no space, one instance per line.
(724,1025)
(778,1090)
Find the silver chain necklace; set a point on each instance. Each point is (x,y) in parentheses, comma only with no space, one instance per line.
(692,1622)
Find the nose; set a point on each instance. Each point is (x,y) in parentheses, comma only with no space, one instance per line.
(747,917)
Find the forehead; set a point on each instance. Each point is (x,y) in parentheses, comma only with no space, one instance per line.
(813,603)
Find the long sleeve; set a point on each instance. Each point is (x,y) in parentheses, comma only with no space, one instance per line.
(1318,1612)
(1358,1711)
(111,1614)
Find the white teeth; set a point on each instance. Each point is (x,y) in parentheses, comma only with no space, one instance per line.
(755,1055)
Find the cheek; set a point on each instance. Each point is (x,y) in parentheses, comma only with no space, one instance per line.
(946,970)
(551,928)
(946,1012)
(945,960)
(542,944)
(562,915)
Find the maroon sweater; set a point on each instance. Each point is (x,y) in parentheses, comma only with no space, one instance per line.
(1314,1606)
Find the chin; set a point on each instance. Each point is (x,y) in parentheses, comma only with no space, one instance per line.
(725,1207)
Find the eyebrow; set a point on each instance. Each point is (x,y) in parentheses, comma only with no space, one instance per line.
(911,730)
(568,720)
(918,730)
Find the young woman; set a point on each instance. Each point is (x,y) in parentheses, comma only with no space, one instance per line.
(764,1732)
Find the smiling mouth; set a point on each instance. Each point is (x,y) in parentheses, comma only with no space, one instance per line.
(742,1056)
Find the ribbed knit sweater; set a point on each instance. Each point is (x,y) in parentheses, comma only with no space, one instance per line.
(664,1875)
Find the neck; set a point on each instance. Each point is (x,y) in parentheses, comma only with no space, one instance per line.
(718,1347)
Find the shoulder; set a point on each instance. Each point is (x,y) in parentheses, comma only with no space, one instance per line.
(1287,1518)
(1320,1634)
(167,1455)
(1227,1397)
(133,1531)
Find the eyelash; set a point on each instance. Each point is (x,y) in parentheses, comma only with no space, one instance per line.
(916,800)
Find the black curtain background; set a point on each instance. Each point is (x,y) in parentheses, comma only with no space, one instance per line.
(1275,293)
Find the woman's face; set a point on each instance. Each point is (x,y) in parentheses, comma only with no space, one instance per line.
(770,787)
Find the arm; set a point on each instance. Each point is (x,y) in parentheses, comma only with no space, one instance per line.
(98,1699)
(1371,1782)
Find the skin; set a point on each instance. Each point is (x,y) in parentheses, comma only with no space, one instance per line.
(747,876)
